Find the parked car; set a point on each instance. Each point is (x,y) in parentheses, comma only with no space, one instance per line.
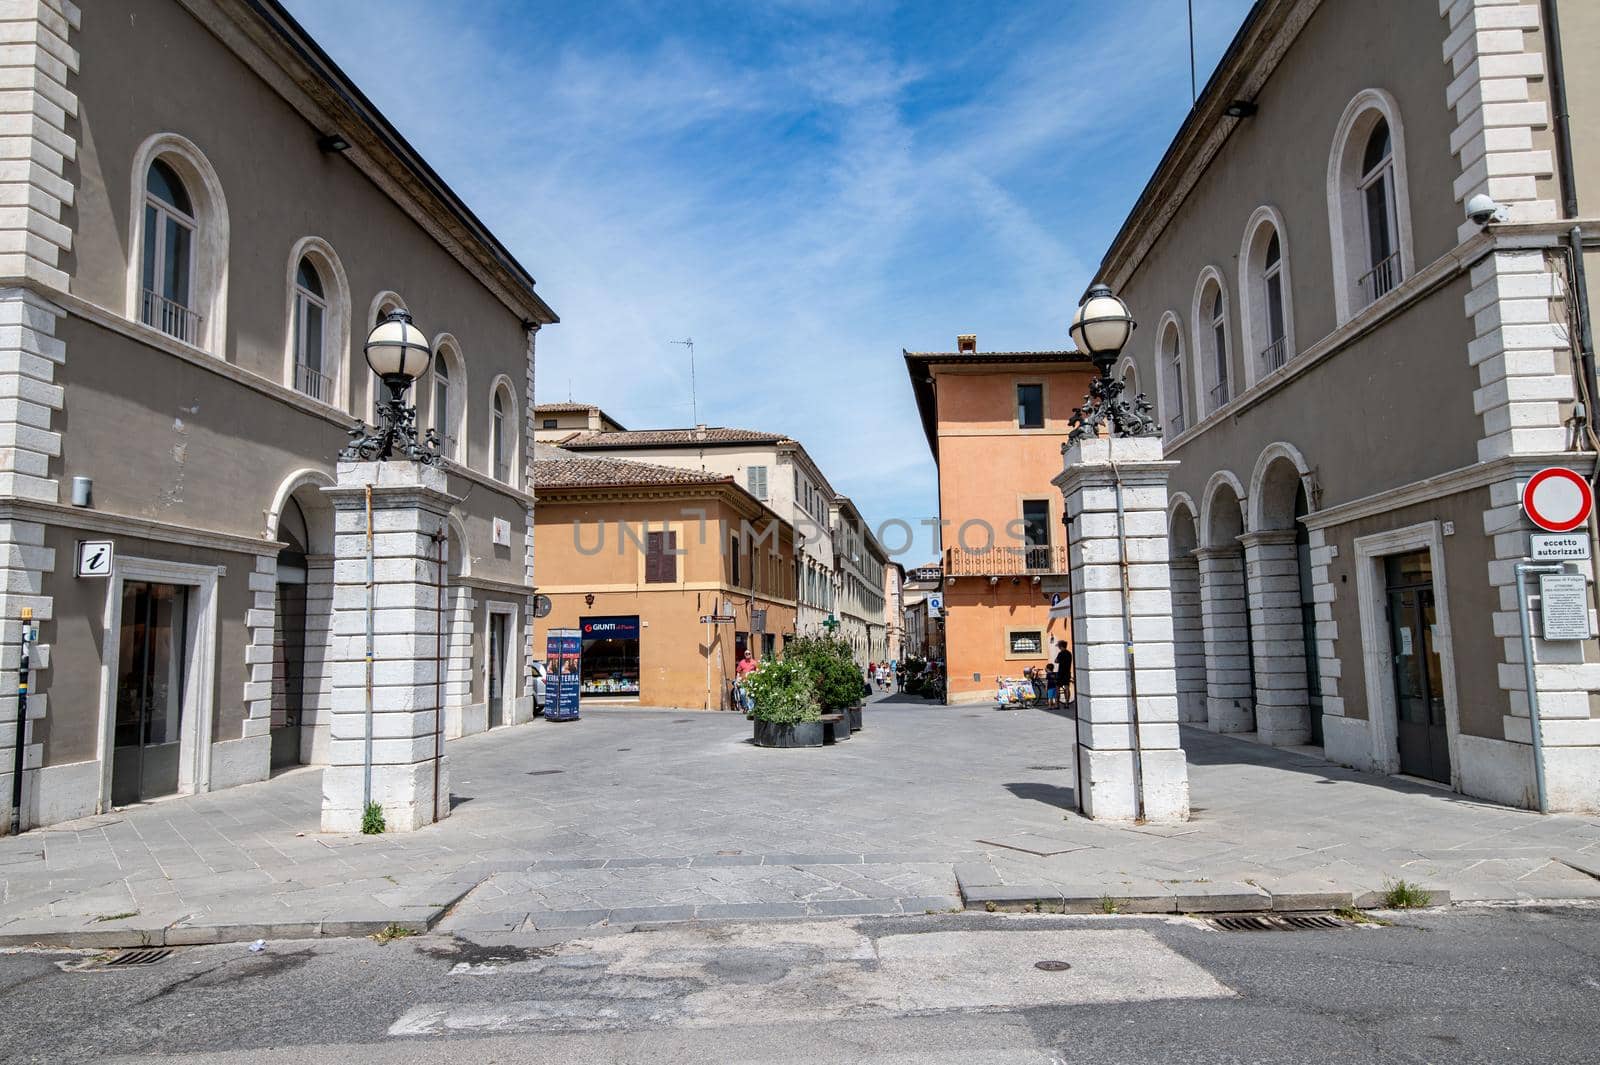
(538,688)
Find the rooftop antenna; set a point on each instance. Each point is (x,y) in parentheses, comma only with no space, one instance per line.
(694,402)
(569,390)
(1194,93)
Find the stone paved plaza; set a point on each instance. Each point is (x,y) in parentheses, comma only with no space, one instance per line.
(657,815)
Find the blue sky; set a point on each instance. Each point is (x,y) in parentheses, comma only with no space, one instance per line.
(804,187)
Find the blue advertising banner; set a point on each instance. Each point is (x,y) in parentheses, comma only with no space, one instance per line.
(563,657)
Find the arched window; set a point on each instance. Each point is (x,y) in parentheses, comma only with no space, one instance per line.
(1378,211)
(1369,215)
(503,432)
(447,396)
(1170,355)
(312,372)
(497,439)
(167,275)
(1211,342)
(1266,315)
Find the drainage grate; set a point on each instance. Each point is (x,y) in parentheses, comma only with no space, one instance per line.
(1312,920)
(1260,922)
(148,956)
(1048,768)
(545,772)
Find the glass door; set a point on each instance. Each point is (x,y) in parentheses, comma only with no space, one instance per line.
(1418,677)
(498,623)
(152,653)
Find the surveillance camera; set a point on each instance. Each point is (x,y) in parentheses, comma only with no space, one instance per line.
(1483,209)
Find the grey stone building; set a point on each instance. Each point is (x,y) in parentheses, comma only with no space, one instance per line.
(204,217)
(1357,379)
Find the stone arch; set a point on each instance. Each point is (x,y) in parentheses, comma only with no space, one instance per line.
(1188,626)
(458,554)
(301,635)
(1280,472)
(1183,529)
(1221,513)
(305,487)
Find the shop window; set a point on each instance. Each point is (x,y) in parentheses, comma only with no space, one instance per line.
(1024,643)
(610,664)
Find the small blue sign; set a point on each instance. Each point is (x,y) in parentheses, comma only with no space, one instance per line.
(563,671)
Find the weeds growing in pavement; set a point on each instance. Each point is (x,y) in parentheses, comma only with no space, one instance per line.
(372,823)
(1108,904)
(391,932)
(1355,916)
(1402,895)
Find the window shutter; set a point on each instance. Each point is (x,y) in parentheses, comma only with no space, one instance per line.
(758,481)
(669,558)
(652,558)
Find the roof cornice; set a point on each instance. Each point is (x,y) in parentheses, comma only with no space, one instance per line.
(269,41)
(1255,52)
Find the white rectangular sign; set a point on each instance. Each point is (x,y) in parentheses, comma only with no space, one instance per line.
(94,558)
(1559,547)
(1564,606)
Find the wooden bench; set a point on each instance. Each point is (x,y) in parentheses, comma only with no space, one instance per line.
(835,727)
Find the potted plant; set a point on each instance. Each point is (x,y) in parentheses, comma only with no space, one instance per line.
(834,673)
(784,705)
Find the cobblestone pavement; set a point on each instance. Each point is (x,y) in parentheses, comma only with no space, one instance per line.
(641,815)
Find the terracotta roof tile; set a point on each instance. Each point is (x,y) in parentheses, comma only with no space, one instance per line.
(555,468)
(671,438)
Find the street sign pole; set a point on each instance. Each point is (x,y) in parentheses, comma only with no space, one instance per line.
(1534,724)
(22,723)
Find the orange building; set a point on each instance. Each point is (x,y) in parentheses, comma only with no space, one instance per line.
(634,556)
(996,422)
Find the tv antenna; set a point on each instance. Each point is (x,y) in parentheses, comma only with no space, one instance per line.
(694,402)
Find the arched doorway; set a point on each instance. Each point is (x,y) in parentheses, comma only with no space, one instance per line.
(1188,632)
(1225,620)
(1277,560)
(302,627)
(461,717)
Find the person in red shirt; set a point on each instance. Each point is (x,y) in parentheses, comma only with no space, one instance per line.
(747,664)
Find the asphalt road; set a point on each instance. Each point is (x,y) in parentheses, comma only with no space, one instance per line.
(1479,985)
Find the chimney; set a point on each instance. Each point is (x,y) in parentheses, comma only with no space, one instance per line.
(967,344)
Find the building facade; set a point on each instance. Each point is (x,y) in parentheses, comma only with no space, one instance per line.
(859,563)
(1357,378)
(774,468)
(181,362)
(639,557)
(996,423)
(555,422)
(922,602)
(894,615)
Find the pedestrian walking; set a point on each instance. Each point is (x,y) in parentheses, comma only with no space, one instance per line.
(1063,671)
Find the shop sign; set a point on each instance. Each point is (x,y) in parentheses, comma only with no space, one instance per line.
(563,670)
(94,558)
(621,628)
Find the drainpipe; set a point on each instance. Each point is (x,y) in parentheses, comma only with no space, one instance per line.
(438,665)
(366,761)
(1127,645)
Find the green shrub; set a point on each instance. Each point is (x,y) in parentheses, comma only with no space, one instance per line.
(372,823)
(834,673)
(782,692)
(1402,895)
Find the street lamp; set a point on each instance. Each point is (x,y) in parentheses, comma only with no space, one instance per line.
(1100,329)
(398,352)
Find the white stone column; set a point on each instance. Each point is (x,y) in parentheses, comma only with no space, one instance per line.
(1277,637)
(1229,706)
(1117,763)
(1188,639)
(409,508)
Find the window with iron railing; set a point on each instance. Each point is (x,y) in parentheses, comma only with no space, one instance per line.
(167,265)
(1377,188)
(309,331)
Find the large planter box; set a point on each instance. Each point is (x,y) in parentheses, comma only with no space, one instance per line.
(805,734)
(854,713)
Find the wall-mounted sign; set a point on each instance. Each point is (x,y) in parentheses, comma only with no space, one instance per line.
(542,605)
(1564,606)
(94,558)
(1558,547)
(502,532)
(935,605)
(619,628)
(1557,499)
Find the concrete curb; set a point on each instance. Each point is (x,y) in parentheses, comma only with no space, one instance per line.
(981,890)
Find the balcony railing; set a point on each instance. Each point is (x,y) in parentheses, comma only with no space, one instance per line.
(1009,560)
(1274,355)
(1219,394)
(1380,279)
(313,383)
(170,316)
(1175,424)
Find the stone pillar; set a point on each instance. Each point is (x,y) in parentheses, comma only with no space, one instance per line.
(1277,637)
(1188,638)
(1114,765)
(409,508)
(1229,706)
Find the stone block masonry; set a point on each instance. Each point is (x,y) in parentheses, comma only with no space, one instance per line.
(1130,762)
(410,510)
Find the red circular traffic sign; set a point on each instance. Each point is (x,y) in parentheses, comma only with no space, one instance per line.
(1557,499)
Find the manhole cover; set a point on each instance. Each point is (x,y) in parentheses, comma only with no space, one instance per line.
(1053,966)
